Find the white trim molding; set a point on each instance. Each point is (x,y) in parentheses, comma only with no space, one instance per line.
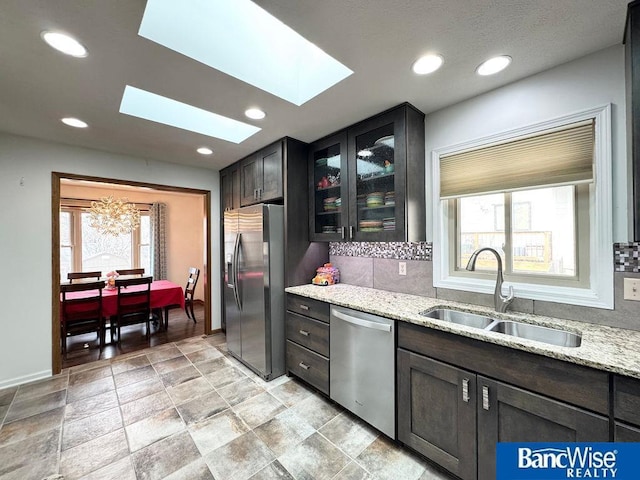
(599,294)
(12,382)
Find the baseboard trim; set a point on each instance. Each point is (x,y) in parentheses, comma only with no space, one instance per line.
(12,382)
(217,330)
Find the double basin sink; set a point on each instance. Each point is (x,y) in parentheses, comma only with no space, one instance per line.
(551,336)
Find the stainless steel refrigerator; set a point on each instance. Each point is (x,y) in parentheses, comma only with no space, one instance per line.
(254,287)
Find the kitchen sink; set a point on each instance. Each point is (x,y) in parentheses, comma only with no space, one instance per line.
(550,336)
(459,318)
(547,335)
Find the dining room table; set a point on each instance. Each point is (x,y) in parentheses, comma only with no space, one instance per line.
(164,295)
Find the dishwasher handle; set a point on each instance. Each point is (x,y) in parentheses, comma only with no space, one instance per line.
(361,322)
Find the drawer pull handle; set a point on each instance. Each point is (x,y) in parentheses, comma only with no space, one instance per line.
(306,367)
(304,307)
(465,390)
(304,332)
(485,397)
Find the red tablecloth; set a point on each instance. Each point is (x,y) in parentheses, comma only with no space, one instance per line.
(163,294)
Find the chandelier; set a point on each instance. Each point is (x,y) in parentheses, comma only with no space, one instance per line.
(114,216)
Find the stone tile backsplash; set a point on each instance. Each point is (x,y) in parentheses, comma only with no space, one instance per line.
(396,250)
(375,265)
(626,257)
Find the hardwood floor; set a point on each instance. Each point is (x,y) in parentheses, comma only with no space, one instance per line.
(85,348)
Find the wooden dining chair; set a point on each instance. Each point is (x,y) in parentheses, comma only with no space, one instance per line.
(83,314)
(189,290)
(134,304)
(71,276)
(131,271)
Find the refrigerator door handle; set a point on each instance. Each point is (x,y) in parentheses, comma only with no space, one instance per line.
(236,254)
(230,275)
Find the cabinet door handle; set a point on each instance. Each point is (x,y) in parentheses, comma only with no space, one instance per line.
(485,397)
(465,390)
(351,229)
(304,332)
(343,231)
(304,307)
(303,365)
(259,193)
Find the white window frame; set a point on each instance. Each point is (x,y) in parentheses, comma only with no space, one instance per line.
(76,232)
(599,293)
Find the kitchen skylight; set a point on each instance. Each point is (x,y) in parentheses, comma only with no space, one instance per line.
(150,106)
(241,39)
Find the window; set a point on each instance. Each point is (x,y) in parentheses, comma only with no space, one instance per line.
(82,248)
(536,232)
(66,243)
(541,197)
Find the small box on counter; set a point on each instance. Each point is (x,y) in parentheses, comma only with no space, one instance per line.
(326,275)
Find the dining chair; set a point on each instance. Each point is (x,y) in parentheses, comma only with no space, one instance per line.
(134,304)
(82,314)
(189,290)
(71,276)
(130,271)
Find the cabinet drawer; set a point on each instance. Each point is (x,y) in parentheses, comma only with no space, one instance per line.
(308,332)
(309,366)
(308,307)
(627,400)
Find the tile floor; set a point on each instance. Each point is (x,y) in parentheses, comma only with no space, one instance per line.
(187,410)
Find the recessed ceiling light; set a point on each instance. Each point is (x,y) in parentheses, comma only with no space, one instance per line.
(74,122)
(64,43)
(204,151)
(229,36)
(494,65)
(427,64)
(255,113)
(151,106)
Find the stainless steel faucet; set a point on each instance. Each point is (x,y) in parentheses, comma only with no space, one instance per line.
(501,302)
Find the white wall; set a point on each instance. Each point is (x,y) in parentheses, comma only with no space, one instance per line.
(591,81)
(25,239)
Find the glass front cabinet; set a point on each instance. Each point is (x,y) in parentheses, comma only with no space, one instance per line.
(367,181)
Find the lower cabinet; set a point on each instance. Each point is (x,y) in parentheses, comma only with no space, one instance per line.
(455,415)
(307,332)
(510,414)
(437,412)
(626,409)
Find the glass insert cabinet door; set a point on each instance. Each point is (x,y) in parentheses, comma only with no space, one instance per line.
(328,176)
(375,181)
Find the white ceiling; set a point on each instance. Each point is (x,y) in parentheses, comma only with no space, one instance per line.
(377,39)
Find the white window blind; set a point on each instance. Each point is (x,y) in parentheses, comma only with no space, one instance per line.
(562,156)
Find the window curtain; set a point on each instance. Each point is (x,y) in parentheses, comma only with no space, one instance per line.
(158,214)
(562,156)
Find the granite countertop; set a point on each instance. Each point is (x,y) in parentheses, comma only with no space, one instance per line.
(606,348)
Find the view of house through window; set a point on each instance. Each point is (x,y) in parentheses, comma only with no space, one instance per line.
(82,248)
(534,230)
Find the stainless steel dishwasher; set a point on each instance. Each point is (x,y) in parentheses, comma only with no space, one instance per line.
(362,366)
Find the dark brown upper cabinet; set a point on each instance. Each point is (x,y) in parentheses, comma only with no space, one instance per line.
(230,187)
(632,67)
(367,182)
(261,175)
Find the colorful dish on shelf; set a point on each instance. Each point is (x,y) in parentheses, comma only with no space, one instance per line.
(387,141)
(390,198)
(370,225)
(375,199)
(330,204)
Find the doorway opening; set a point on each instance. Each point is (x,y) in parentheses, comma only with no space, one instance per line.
(188,244)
